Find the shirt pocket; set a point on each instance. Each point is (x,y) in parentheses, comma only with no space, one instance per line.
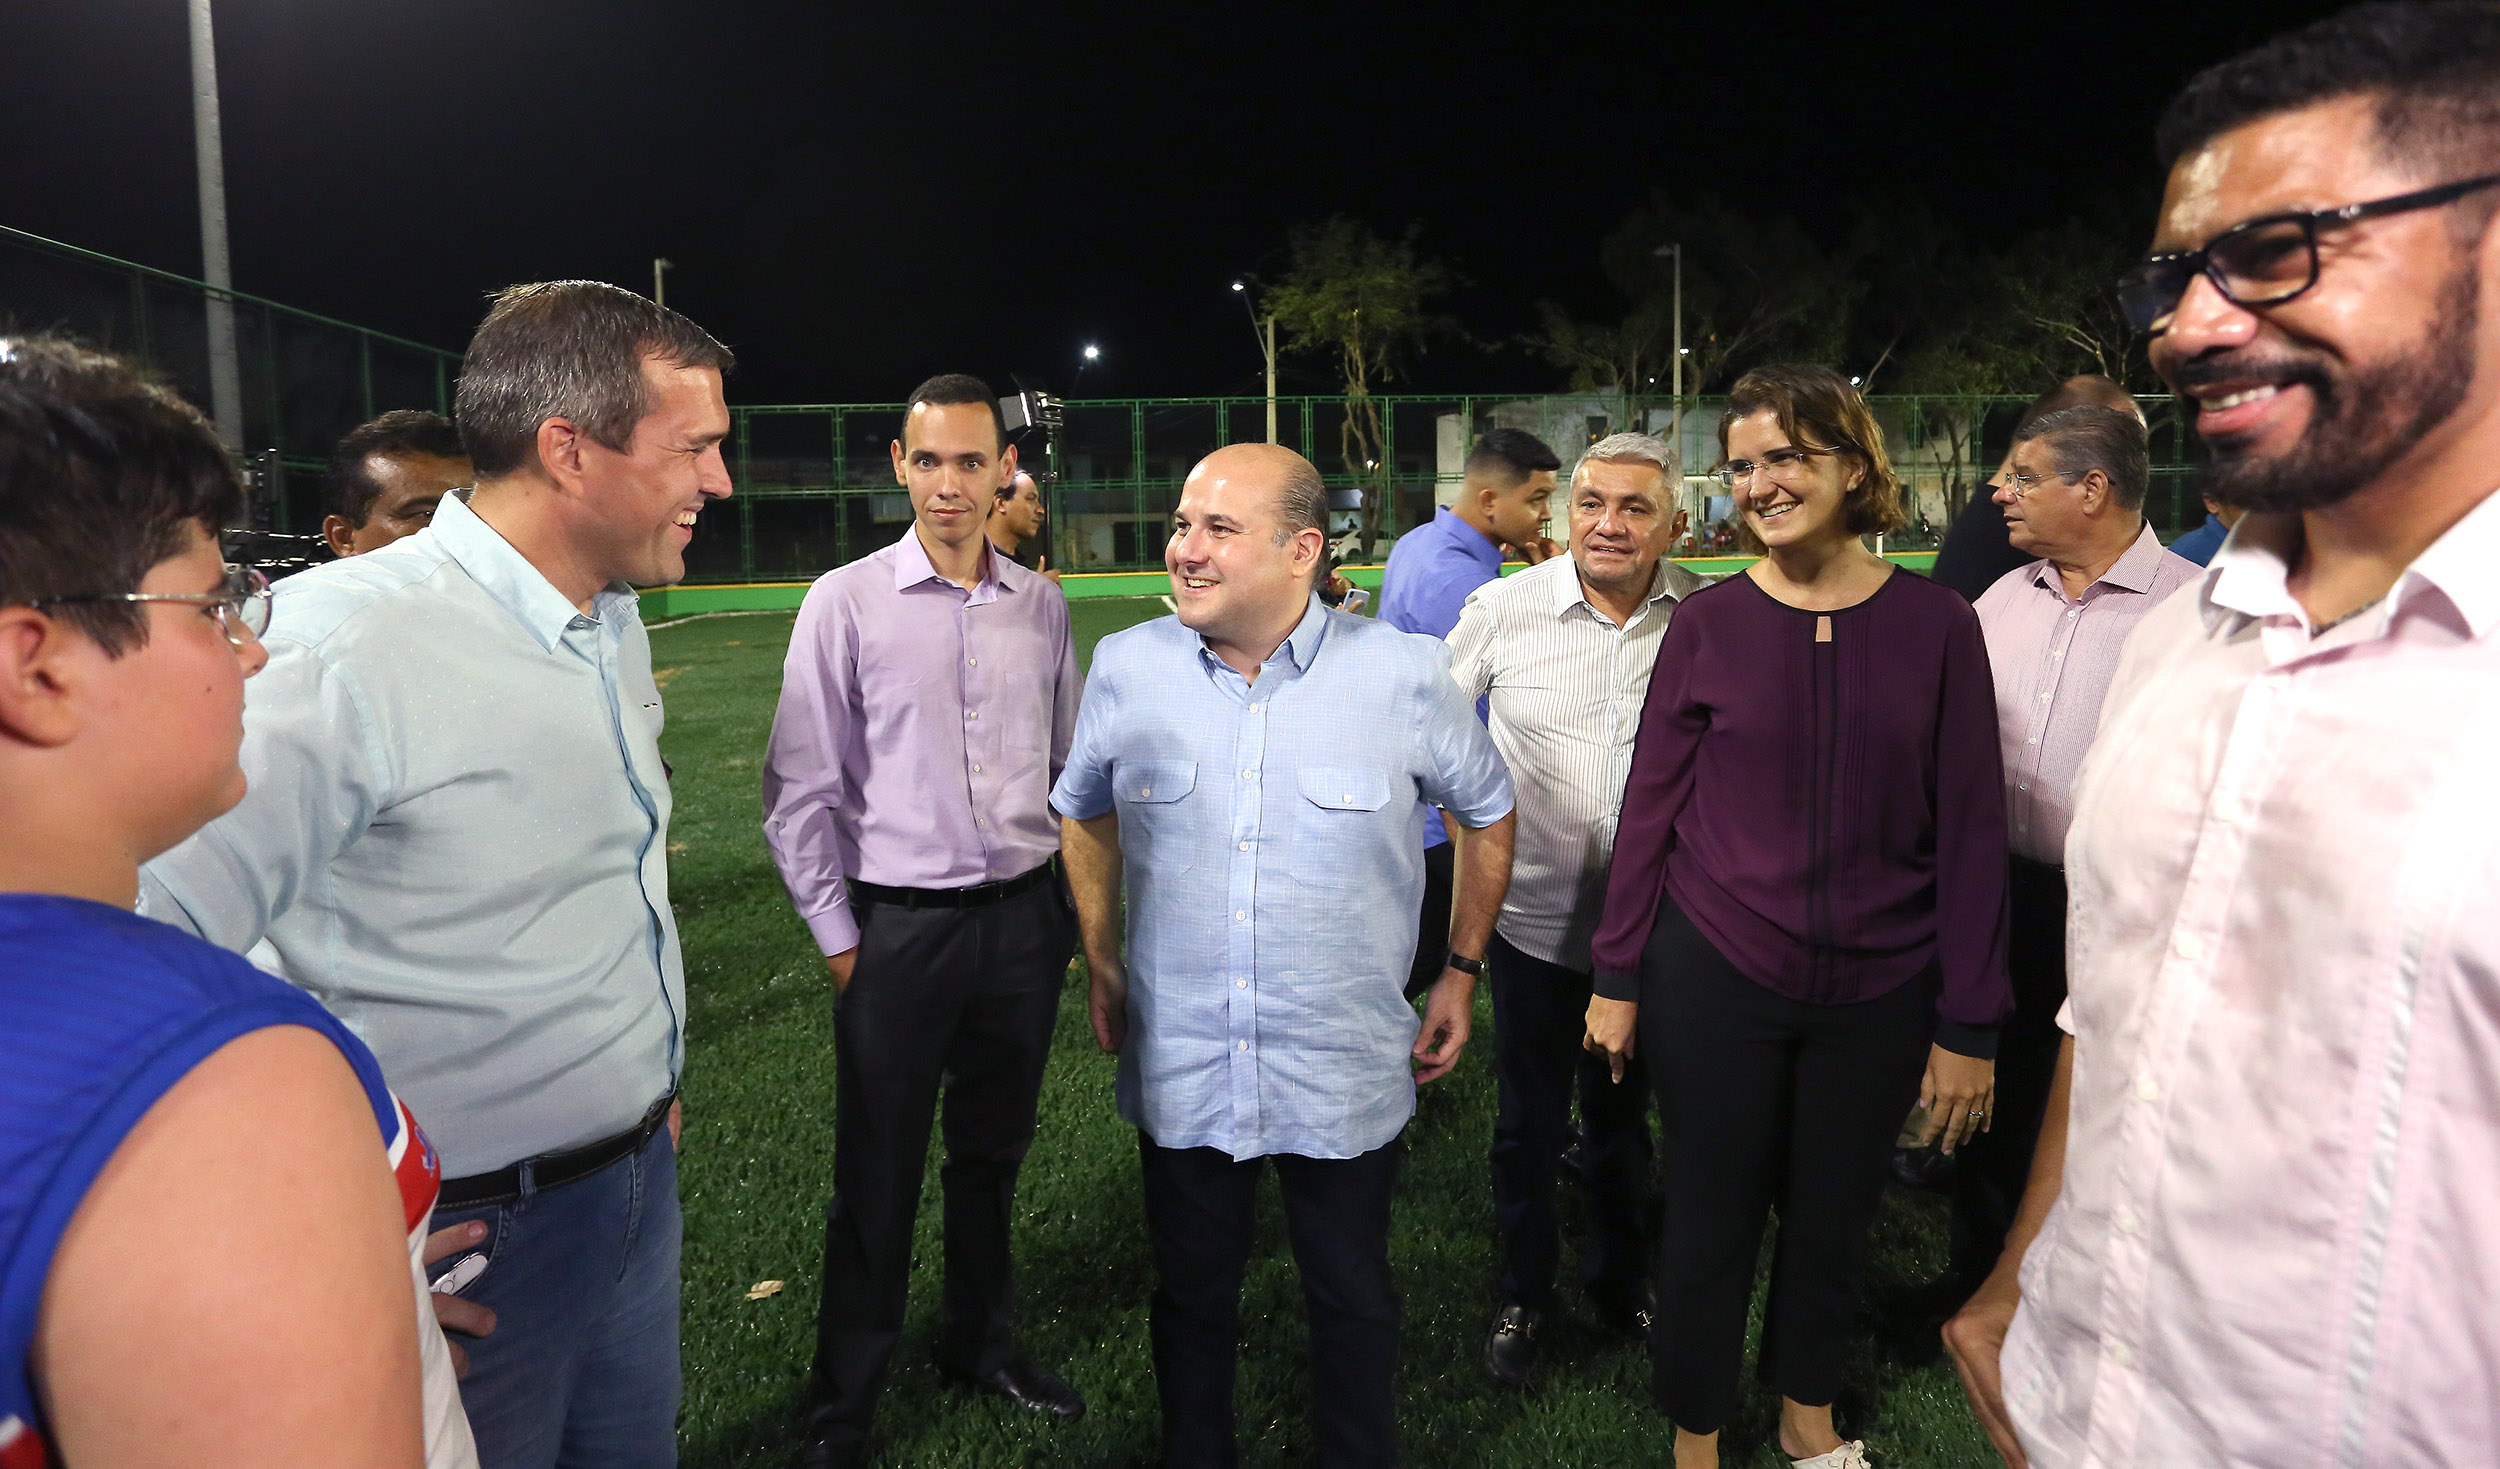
(1153,817)
(1341,822)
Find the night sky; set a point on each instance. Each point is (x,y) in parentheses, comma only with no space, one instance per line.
(857,196)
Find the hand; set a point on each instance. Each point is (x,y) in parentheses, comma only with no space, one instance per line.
(1538,550)
(839,966)
(676,1122)
(1447,1012)
(1106,1002)
(1959,1093)
(1611,1024)
(1975,1338)
(451,1313)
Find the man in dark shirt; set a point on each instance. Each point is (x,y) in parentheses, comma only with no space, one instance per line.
(386,477)
(1015,528)
(1975,551)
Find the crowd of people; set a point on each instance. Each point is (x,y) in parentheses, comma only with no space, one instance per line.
(347,1015)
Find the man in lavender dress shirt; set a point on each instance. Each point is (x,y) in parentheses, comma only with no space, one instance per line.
(2072,493)
(926,707)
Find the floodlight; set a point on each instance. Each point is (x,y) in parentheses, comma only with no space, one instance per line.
(1092,353)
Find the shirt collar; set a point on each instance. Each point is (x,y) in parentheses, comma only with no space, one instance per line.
(2133,571)
(912,566)
(1473,543)
(1301,645)
(1666,579)
(507,576)
(2250,575)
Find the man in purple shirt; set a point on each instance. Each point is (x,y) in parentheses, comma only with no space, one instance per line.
(1432,568)
(926,707)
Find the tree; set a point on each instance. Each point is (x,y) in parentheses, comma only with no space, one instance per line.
(1350,292)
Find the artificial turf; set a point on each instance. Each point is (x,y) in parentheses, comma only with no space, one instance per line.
(758,1162)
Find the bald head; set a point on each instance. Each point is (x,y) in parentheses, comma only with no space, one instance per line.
(2088,390)
(1293,482)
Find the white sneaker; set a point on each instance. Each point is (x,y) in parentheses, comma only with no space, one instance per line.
(1851,1455)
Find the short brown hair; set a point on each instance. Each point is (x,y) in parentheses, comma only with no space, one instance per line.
(101,472)
(1818,409)
(573,350)
(953,389)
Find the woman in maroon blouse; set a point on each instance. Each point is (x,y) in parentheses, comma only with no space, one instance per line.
(1805,921)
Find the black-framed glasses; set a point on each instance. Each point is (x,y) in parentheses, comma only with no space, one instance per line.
(2261,262)
(1779,464)
(241,605)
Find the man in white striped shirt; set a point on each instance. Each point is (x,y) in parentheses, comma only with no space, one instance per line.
(1562,652)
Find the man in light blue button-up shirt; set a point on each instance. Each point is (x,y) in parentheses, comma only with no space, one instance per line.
(1253,766)
(456,837)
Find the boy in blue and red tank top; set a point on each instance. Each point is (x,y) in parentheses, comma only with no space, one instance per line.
(203,1258)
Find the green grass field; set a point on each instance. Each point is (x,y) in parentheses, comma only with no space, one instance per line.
(758,1163)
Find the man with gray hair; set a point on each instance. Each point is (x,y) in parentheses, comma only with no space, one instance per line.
(2073,496)
(1251,767)
(1561,654)
(456,837)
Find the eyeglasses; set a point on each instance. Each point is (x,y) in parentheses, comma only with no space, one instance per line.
(2261,262)
(1779,464)
(241,606)
(2024,484)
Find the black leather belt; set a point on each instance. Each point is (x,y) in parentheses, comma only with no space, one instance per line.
(552,1170)
(971,897)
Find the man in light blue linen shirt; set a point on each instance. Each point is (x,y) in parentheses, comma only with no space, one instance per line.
(456,837)
(1252,765)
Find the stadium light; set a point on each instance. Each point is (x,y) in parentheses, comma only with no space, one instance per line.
(1267,347)
(225,377)
(1093,353)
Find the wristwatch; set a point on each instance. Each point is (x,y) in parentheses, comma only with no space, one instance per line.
(1465,965)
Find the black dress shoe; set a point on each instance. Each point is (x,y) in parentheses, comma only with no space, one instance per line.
(1027,1384)
(1628,1312)
(823,1453)
(1511,1350)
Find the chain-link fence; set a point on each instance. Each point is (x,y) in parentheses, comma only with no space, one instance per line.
(816,483)
(305,379)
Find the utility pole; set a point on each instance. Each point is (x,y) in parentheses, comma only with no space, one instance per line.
(225,379)
(659,280)
(1266,338)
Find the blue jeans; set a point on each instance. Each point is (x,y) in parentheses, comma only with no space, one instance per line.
(581,1371)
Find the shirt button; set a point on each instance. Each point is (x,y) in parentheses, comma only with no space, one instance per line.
(1241,984)
(1245,846)
(2119,1356)
(1144,795)
(1254,708)
(2077,612)
(2026,785)
(972,662)
(2146,1087)
(975,714)
(2044,698)
(1250,775)
(2032,741)
(2190,947)
(2126,1220)
(1241,1045)
(1241,915)
(976,770)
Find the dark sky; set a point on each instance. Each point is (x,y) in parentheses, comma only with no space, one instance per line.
(856,196)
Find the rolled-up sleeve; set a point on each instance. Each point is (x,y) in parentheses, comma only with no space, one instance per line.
(1083,791)
(1463,774)
(1471,647)
(803,775)
(316,775)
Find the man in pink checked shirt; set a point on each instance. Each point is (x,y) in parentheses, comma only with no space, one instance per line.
(2263,1226)
(926,706)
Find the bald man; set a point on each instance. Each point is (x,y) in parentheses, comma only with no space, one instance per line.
(1250,767)
(1976,553)
(1016,522)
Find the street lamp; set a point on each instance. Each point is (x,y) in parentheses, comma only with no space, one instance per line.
(1085,359)
(1267,344)
(225,378)
(659,280)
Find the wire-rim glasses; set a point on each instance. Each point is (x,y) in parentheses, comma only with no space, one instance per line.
(241,606)
(2264,261)
(1779,464)
(2023,484)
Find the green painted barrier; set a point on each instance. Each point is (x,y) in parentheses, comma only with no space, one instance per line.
(662,604)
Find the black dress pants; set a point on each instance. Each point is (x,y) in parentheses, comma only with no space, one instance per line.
(1766,1103)
(1432,922)
(1200,1206)
(1992,1169)
(1540,1014)
(954,999)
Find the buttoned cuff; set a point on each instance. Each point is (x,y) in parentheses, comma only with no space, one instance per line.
(1607,985)
(1978,1042)
(835,929)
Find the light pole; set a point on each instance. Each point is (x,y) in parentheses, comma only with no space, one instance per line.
(659,280)
(1267,344)
(225,379)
